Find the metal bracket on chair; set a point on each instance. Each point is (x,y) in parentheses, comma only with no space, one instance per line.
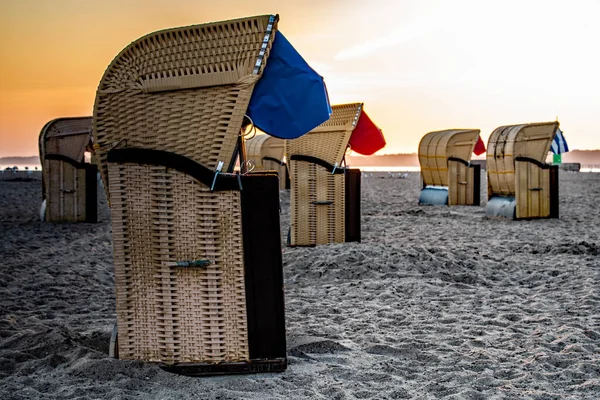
(239,179)
(116,145)
(217,172)
(113,347)
(322,203)
(263,48)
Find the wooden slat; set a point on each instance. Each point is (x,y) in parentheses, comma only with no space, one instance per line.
(435,148)
(470,186)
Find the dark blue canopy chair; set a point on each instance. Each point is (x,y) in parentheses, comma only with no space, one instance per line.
(198,289)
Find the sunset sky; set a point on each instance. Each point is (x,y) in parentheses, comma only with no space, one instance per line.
(417,65)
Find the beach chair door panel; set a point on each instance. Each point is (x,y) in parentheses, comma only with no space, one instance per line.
(65,192)
(319,198)
(463,183)
(167,313)
(532,190)
(458,183)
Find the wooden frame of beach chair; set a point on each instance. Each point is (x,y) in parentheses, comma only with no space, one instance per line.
(266,152)
(198,290)
(520,183)
(324,196)
(69,184)
(447,174)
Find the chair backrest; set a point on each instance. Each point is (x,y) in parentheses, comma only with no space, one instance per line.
(329,140)
(254,150)
(529,142)
(264,148)
(183,90)
(66,137)
(273,149)
(437,147)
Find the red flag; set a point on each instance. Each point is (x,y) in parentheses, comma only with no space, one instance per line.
(479,146)
(366,138)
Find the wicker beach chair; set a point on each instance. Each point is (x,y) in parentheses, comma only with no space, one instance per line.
(447,174)
(266,154)
(198,290)
(69,184)
(325,196)
(520,183)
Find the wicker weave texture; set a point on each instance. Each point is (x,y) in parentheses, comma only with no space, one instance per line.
(329,140)
(177,314)
(506,143)
(436,147)
(183,90)
(68,137)
(267,154)
(318,214)
(254,150)
(312,186)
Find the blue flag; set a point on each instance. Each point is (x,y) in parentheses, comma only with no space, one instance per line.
(290,99)
(559,144)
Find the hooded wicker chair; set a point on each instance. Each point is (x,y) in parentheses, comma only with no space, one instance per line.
(69,184)
(448,177)
(266,153)
(197,290)
(325,196)
(520,183)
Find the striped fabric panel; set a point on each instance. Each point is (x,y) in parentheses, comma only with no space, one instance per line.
(559,144)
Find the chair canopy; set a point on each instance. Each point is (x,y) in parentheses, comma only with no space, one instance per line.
(264,147)
(291,98)
(437,147)
(329,141)
(366,137)
(186,90)
(66,138)
(507,143)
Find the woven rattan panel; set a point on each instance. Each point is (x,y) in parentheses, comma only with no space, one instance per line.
(436,147)
(65,195)
(183,90)
(177,314)
(329,140)
(506,143)
(318,205)
(67,137)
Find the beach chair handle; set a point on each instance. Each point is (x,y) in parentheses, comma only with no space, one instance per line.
(189,263)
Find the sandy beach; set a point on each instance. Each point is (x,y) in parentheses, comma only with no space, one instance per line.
(435,303)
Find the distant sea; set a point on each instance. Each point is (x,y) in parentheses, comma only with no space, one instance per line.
(584,168)
(21,167)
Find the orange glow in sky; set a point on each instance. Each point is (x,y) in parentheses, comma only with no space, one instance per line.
(418,66)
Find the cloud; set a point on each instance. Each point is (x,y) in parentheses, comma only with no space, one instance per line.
(321,67)
(408,33)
